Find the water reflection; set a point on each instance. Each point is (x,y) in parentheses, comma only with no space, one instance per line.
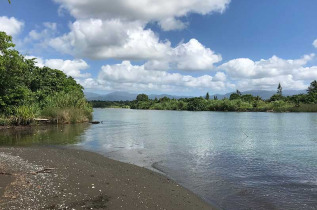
(43,135)
(236,160)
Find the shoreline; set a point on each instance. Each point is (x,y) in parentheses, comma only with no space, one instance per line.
(59,177)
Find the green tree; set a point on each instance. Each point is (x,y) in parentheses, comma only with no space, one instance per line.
(312,88)
(276,97)
(25,87)
(142,97)
(279,89)
(207,96)
(248,98)
(239,93)
(197,104)
(164,99)
(234,96)
(15,72)
(215,98)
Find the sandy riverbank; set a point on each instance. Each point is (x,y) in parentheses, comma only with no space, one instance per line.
(57,178)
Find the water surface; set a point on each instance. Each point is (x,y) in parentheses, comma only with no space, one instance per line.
(233,160)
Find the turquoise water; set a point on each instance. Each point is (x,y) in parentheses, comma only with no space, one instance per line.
(233,160)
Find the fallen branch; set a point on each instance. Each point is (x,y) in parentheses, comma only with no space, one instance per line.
(5,173)
(45,170)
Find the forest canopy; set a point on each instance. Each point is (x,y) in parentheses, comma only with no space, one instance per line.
(28,91)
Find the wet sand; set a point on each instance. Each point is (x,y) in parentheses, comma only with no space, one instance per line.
(62,178)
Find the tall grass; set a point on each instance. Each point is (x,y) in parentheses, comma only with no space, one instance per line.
(304,108)
(67,108)
(25,114)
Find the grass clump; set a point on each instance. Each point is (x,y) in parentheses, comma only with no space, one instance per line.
(67,108)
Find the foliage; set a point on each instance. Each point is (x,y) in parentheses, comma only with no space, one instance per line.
(142,97)
(237,103)
(276,97)
(234,96)
(207,96)
(197,104)
(26,90)
(312,88)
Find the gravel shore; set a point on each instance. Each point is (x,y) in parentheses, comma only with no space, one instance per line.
(62,178)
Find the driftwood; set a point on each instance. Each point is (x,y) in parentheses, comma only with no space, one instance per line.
(95,122)
(45,170)
(41,120)
(4,173)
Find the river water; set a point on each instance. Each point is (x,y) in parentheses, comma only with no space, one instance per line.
(232,160)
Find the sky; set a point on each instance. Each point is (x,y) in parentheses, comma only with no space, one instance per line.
(186,47)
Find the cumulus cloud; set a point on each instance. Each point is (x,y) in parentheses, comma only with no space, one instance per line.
(274,66)
(266,74)
(107,29)
(71,68)
(169,24)
(135,77)
(98,39)
(270,83)
(48,31)
(11,26)
(193,55)
(151,10)
(186,56)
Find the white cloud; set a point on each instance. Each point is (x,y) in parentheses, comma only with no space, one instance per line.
(134,77)
(186,56)
(194,56)
(11,26)
(315,43)
(169,24)
(144,10)
(266,74)
(98,39)
(274,66)
(71,68)
(220,76)
(241,67)
(288,82)
(107,29)
(49,30)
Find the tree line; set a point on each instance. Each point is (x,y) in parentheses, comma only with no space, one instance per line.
(236,102)
(28,91)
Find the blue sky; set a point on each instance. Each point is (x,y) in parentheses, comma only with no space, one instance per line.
(185,48)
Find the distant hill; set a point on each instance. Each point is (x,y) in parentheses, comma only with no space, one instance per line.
(126,96)
(114,96)
(123,96)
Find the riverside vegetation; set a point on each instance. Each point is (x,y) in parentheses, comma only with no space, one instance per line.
(28,91)
(236,102)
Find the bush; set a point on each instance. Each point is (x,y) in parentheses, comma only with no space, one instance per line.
(24,115)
